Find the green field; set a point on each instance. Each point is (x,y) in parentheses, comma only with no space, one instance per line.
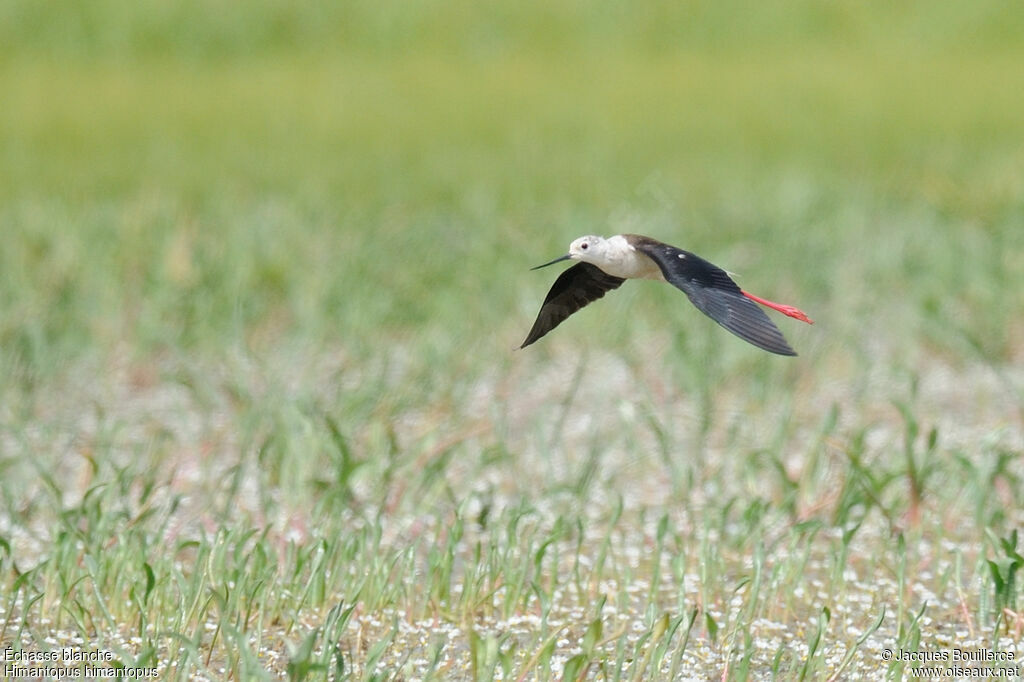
(264,265)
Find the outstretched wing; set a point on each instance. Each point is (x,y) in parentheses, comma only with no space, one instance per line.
(714,293)
(574,288)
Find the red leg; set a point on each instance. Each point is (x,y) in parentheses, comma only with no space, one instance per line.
(792,311)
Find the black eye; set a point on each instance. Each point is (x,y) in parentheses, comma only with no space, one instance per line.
(584,246)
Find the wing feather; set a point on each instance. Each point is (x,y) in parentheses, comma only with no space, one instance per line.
(578,286)
(715,294)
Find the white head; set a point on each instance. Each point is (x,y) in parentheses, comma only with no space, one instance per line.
(588,249)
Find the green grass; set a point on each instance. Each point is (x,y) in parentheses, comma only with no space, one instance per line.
(264,267)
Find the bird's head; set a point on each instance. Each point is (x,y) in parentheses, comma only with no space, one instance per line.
(587,249)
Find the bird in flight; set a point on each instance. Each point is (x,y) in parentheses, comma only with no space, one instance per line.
(604,264)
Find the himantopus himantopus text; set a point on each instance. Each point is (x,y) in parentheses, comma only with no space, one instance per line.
(606,263)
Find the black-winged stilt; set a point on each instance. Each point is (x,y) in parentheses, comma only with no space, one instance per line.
(606,263)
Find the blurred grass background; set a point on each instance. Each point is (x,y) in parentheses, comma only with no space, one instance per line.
(194,153)
(289,209)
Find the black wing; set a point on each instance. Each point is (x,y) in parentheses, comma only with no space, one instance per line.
(574,288)
(714,293)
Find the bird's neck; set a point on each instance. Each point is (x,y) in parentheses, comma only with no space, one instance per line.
(619,259)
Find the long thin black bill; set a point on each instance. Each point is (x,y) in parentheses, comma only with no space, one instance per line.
(557,260)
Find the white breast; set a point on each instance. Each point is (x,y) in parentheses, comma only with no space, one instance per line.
(622,260)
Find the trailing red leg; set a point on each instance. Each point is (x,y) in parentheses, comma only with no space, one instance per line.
(790,310)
